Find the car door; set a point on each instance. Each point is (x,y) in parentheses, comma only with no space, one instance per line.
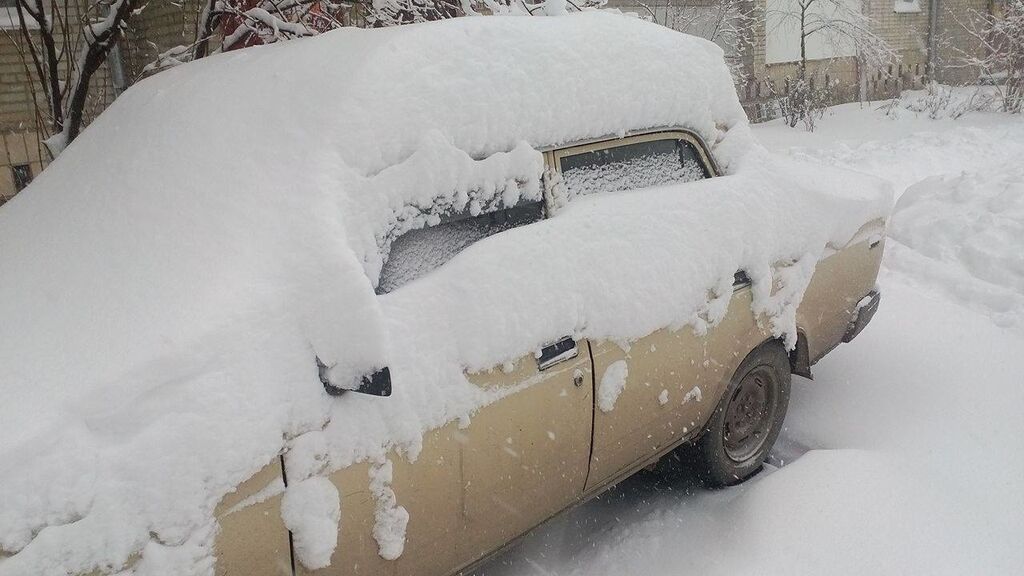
(651,393)
(477,484)
(525,458)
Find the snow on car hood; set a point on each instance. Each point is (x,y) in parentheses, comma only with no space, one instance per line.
(167,283)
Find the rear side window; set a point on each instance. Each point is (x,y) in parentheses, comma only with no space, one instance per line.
(631,166)
(417,252)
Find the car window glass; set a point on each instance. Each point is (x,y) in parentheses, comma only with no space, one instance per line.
(417,252)
(632,166)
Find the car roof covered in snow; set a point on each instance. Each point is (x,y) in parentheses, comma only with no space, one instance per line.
(485,83)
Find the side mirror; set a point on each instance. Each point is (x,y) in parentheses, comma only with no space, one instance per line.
(375,384)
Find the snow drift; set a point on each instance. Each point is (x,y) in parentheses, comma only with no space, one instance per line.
(965,233)
(168,283)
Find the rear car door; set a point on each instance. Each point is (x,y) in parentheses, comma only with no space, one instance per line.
(649,394)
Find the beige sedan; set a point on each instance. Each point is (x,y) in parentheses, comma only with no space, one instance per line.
(558,442)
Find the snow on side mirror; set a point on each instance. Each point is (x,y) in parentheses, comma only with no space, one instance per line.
(376,384)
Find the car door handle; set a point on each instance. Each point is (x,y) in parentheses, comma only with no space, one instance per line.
(564,349)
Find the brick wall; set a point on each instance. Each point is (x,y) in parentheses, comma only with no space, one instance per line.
(16,108)
(954,40)
(160,27)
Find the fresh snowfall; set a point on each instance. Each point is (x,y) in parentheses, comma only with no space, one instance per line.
(169,285)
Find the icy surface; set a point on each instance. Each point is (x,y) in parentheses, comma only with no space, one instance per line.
(170,281)
(613,382)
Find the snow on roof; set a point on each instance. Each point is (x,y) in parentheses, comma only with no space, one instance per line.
(168,282)
(486,84)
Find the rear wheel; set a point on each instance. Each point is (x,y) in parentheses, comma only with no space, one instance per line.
(747,420)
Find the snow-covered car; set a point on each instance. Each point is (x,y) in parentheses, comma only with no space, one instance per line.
(382,301)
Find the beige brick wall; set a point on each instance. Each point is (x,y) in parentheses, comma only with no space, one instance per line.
(16,108)
(955,18)
(905,32)
(160,27)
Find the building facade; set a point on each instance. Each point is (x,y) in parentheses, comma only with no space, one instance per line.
(768,57)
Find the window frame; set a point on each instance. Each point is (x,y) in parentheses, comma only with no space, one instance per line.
(553,159)
(637,138)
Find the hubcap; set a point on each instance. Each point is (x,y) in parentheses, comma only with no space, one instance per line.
(750,414)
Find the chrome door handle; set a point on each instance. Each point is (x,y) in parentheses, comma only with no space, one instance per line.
(560,351)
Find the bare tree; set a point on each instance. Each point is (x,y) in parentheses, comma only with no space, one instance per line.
(62,51)
(1000,35)
(728,23)
(229,24)
(839,24)
(842,26)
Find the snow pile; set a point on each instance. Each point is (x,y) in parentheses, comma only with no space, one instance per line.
(612,384)
(967,234)
(170,281)
(959,236)
(311,510)
(904,148)
(390,519)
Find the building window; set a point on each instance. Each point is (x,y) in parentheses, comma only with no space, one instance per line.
(22,176)
(9,14)
(907,6)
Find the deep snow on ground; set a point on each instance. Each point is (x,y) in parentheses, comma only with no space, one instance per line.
(903,455)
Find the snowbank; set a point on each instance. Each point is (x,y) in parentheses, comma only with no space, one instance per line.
(966,234)
(170,280)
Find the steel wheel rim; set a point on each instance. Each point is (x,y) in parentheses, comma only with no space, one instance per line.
(750,413)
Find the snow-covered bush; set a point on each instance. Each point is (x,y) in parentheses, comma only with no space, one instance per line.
(935,102)
(1000,33)
(229,24)
(938,101)
(802,102)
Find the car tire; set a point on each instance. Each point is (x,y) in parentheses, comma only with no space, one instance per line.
(737,438)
